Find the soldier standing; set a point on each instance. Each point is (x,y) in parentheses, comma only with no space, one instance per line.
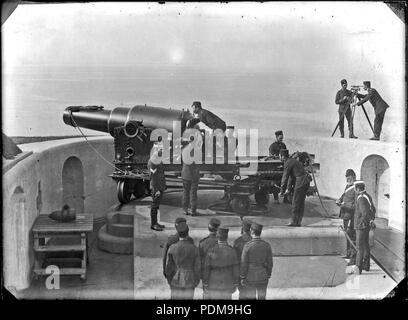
(343,99)
(239,246)
(256,265)
(172,239)
(275,147)
(183,266)
(221,268)
(207,243)
(363,221)
(190,174)
(379,105)
(347,207)
(157,185)
(295,169)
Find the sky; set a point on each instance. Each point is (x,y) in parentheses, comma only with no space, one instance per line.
(320,42)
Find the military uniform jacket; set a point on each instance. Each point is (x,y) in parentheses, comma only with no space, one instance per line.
(211,120)
(190,172)
(343,104)
(205,244)
(293,168)
(172,239)
(349,199)
(365,211)
(239,244)
(183,265)
(256,262)
(375,99)
(157,177)
(275,147)
(221,268)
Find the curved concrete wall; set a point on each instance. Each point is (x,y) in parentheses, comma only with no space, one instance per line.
(35,186)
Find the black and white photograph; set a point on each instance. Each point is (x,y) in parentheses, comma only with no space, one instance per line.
(203,151)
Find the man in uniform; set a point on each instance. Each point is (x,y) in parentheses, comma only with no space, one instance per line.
(343,99)
(239,246)
(256,264)
(183,266)
(288,196)
(363,221)
(221,268)
(207,243)
(347,207)
(157,186)
(278,145)
(379,105)
(190,174)
(172,239)
(295,168)
(207,117)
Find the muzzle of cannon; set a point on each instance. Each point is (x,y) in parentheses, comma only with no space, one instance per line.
(131,119)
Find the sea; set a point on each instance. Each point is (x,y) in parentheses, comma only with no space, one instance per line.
(35,96)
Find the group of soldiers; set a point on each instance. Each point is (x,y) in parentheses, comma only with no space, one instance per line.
(358,213)
(346,101)
(222,268)
(190,173)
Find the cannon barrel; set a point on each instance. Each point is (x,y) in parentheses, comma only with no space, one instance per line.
(99,119)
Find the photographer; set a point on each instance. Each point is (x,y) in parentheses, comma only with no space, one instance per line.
(379,105)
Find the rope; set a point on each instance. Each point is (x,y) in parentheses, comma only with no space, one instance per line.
(96,151)
(328,215)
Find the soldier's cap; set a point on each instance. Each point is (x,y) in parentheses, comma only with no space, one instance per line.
(180,220)
(350,172)
(256,227)
(284,152)
(343,81)
(279,133)
(196,104)
(246,224)
(367,83)
(359,183)
(182,227)
(214,222)
(222,233)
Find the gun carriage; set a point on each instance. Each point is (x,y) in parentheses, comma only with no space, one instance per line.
(131,129)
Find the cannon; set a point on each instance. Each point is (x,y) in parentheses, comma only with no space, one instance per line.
(131,129)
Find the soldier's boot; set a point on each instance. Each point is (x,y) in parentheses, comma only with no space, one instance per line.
(186,211)
(351,134)
(341,133)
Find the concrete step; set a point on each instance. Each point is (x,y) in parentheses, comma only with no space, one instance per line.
(120,217)
(120,230)
(114,244)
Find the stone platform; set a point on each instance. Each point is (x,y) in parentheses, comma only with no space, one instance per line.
(317,236)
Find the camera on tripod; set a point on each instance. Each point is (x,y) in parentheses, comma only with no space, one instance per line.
(355,89)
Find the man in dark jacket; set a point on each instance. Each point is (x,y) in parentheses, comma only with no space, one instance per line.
(190,174)
(221,268)
(379,105)
(295,168)
(207,243)
(183,266)
(207,117)
(347,206)
(238,246)
(157,186)
(343,99)
(278,145)
(363,221)
(172,239)
(256,265)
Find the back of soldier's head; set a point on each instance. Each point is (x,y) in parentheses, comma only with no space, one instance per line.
(182,229)
(222,234)
(256,228)
(213,225)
